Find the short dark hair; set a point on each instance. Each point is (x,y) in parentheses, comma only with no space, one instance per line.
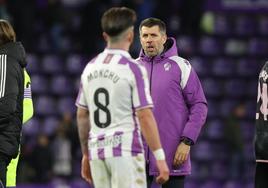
(7,33)
(117,19)
(150,22)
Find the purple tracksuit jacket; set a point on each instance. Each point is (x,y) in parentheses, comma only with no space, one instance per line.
(180,106)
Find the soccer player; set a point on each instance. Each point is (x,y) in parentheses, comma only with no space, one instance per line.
(114,103)
(261,133)
(180,104)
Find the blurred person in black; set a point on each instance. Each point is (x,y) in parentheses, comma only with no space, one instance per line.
(42,160)
(261,131)
(12,62)
(234,141)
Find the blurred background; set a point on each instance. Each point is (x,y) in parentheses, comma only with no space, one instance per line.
(226,42)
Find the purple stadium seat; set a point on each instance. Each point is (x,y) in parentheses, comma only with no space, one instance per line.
(223,67)
(209,46)
(80,183)
(244,25)
(215,129)
(45,105)
(31,128)
(50,125)
(74,64)
(211,184)
(263,26)
(200,65)
(52,64)
(191,184)
(61,85)
(39,84)
(235,88)
(221,25)
(66,104)
(247,67)
(186,45)
(233,184)
(257,46)
(34,63)
(212,87)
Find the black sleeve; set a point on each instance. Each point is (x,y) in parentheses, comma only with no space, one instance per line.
(9,85)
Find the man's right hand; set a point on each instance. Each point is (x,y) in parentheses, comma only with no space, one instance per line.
(85,169)
(163,172)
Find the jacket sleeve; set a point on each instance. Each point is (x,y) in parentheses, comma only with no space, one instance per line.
(9,86)
(27,100)
(197,105)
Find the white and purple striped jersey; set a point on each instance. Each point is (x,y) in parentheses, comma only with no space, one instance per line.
(113,86)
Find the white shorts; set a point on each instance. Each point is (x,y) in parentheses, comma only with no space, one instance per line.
(119,172)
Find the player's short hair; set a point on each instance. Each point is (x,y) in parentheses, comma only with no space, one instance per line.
(116,20)
(150,22)
(7,33)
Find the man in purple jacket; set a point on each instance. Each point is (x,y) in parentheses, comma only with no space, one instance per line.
(180,104)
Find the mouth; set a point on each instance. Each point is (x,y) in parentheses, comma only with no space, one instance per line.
(150,48)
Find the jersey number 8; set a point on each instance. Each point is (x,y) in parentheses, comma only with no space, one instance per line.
(102,107)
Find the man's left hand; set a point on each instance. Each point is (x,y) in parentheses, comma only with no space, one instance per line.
(181,154)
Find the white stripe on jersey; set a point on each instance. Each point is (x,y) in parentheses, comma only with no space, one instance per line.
(185,69)
(146,84)
(3,59)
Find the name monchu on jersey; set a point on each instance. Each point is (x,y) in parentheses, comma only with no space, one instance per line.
(103,73)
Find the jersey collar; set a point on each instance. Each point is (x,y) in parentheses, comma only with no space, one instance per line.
(117,51)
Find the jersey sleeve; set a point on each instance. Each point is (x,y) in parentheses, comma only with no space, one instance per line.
(27,100)
(81,100)
(141,97)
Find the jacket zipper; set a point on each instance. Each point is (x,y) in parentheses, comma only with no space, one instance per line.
(151,80)
(151,75)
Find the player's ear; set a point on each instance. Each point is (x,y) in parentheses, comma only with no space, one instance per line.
(130,35)
(105,36)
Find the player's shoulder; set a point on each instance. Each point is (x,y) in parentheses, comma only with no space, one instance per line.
(182,64)
(179,60)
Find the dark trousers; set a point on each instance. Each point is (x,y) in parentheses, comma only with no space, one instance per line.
(173,182)
(4,161)
(261,178)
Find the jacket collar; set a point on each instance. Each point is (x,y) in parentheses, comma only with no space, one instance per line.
(170,49)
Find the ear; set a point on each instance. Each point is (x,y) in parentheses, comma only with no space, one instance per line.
(164,38)
(105,36)
(130,36)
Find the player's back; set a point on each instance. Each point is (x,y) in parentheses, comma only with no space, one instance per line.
(113,86)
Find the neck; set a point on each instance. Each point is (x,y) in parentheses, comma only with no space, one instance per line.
(119,45)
